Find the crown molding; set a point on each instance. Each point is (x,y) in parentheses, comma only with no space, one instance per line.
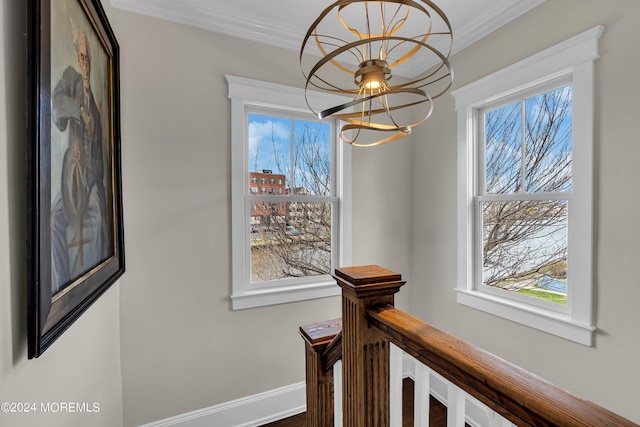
(499,14)
(223,17)
(212,17)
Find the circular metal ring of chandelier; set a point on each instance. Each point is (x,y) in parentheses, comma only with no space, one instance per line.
(374,38)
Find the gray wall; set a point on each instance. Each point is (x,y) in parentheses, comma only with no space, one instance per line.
(84,364)
(182,347)
(607,373)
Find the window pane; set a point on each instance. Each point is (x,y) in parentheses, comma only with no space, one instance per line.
(269,146)
(524,247)
(503,149)
(547,137)
(312,158)
(548,141)
(291,240)
(296,153)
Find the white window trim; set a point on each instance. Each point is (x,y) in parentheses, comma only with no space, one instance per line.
(573,59)
(246,94)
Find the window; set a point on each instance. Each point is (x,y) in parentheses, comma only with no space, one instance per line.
(525,172)
(286,250)
(524,185)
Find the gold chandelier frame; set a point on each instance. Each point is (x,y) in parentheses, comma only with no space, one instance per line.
(374,101)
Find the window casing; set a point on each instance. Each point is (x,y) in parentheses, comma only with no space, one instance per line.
(252,99)
(567,65)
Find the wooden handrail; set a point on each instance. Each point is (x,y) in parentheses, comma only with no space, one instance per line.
(333,352)
(370,323)
(518,395)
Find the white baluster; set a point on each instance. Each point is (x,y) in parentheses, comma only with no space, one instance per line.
(456,399)
(421,395)
(395,386)
(337,394)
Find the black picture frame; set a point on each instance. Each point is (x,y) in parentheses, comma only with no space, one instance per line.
(75,233)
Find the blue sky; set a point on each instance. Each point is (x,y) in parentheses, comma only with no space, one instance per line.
(269,137)
(270,142)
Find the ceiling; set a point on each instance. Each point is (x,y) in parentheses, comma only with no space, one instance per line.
(284,23)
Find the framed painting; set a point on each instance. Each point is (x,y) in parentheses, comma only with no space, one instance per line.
(75,249)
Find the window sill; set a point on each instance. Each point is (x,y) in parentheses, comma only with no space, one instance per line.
(283,294)
(544,320)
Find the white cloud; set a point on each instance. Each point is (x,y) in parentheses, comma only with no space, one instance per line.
(269,137)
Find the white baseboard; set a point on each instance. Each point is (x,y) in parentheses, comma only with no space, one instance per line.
(274,405)
(248,411)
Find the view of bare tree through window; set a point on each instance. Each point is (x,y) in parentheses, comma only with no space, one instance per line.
(524,202)
(291,197)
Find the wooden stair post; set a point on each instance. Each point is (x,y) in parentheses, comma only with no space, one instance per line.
(320,340)
(365,353)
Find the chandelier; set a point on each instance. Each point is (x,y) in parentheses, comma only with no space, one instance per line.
(373,41)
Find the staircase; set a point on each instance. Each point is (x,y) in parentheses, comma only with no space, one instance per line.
(437,411)
(363,339)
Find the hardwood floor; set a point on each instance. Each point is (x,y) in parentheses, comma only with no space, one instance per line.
(295,421)
(437,411)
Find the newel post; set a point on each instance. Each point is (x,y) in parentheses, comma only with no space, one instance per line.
(319,337)
(365,353)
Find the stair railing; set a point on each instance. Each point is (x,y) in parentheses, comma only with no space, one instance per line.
(362,338)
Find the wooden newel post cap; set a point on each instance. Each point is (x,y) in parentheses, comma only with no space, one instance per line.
(368,280)
(320,334)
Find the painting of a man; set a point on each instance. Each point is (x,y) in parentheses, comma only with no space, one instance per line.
(80,226)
